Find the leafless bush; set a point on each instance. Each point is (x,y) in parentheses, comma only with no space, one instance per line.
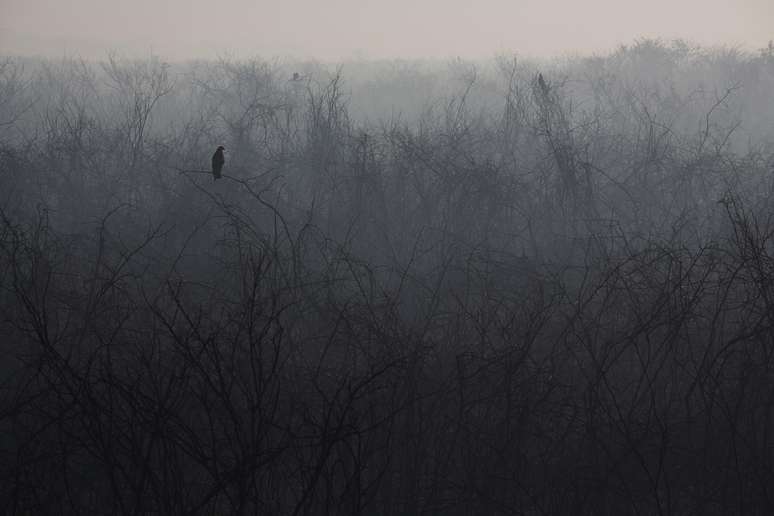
(560,306)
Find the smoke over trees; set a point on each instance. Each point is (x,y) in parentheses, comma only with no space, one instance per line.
(501,288)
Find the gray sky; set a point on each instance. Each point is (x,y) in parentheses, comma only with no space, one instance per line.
(340,29)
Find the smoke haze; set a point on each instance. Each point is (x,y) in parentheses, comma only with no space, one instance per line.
(340,29)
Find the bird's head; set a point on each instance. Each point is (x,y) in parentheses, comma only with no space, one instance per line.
(221,148)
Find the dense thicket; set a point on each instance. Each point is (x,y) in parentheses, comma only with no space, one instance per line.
(418,288)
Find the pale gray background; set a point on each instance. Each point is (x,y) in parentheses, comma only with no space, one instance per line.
(342,29)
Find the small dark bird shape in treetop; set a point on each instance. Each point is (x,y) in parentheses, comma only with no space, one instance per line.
(543,86)
(217,162)
(542,83)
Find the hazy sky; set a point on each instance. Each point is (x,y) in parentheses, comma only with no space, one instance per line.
(336,29)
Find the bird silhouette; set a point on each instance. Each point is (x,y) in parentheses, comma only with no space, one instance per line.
(217,162)
(543,86)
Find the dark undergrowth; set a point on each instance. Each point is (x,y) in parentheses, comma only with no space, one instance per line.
(520,296)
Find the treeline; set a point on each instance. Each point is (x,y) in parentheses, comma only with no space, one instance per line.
(465,288)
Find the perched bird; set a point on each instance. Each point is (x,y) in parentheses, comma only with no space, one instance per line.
(543,86)
(217,162)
